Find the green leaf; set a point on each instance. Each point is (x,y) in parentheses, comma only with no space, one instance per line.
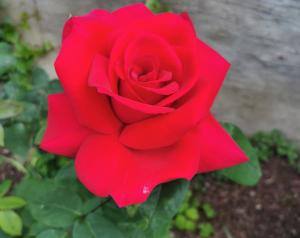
(162,207)
(209,211)
(120,217)
(1,135)
(4,187)
(29,114)
(7,62)
(58,208)
(151,220)
(5,48)
(18,165)
(39,135)
(12,89)
(67,172)
(96,225)
(248,173)
(40,78)
(10,108)
(91,204)
(17,139)
(156,6)
(180,221)
(206,230)
(28,220)
(192,214)
(50,202)
(3,235)
(10,223)
(54,86)
(11,202)
(52,233)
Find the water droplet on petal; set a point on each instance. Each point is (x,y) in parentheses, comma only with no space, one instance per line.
(146,190)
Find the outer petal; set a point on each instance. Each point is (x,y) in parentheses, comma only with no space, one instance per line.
(173,28)
(218,149)
(83,38)
(131,13)
(187,17)
(63,134)
(106,167)
(194,106)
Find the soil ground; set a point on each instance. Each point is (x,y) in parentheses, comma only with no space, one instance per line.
(7,171)
(269,210)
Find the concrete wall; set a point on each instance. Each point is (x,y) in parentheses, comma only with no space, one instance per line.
(261,38)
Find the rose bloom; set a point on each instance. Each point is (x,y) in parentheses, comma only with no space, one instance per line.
(135,111)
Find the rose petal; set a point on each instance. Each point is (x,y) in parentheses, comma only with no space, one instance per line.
(186,16)
(127,108)
(89,18)
(152,95)
(63,135)
(106,167)
(115,169)
(126,90)
(213,72)
(173,28)
(136,44)
(88,36)
(131,13)
(191,73)
(193,107)
(147,44)
(218,149)
(164,90)
(163,77)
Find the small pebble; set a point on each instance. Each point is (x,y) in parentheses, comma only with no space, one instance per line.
(258,207)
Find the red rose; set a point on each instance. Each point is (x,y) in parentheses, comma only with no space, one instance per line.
(135,111)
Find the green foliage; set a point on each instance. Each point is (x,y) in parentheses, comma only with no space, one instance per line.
(274,144)
(43,165)
(23,108)
(23,95)
(1,135)
(52,233)
(248,173)
(188,216)
(206,230)
(4,187)
(61,204)
(156,6)
(11,202)
(10,222)
(10,108)
(192,213)
(208,210)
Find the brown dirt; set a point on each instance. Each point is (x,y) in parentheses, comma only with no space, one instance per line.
(269,210)
(7,171)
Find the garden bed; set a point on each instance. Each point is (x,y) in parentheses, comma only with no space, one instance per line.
(269,210)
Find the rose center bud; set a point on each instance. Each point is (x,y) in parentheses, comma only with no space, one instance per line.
(147,82)
(144,69)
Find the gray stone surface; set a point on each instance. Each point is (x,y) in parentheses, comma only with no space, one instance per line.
(260,38)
